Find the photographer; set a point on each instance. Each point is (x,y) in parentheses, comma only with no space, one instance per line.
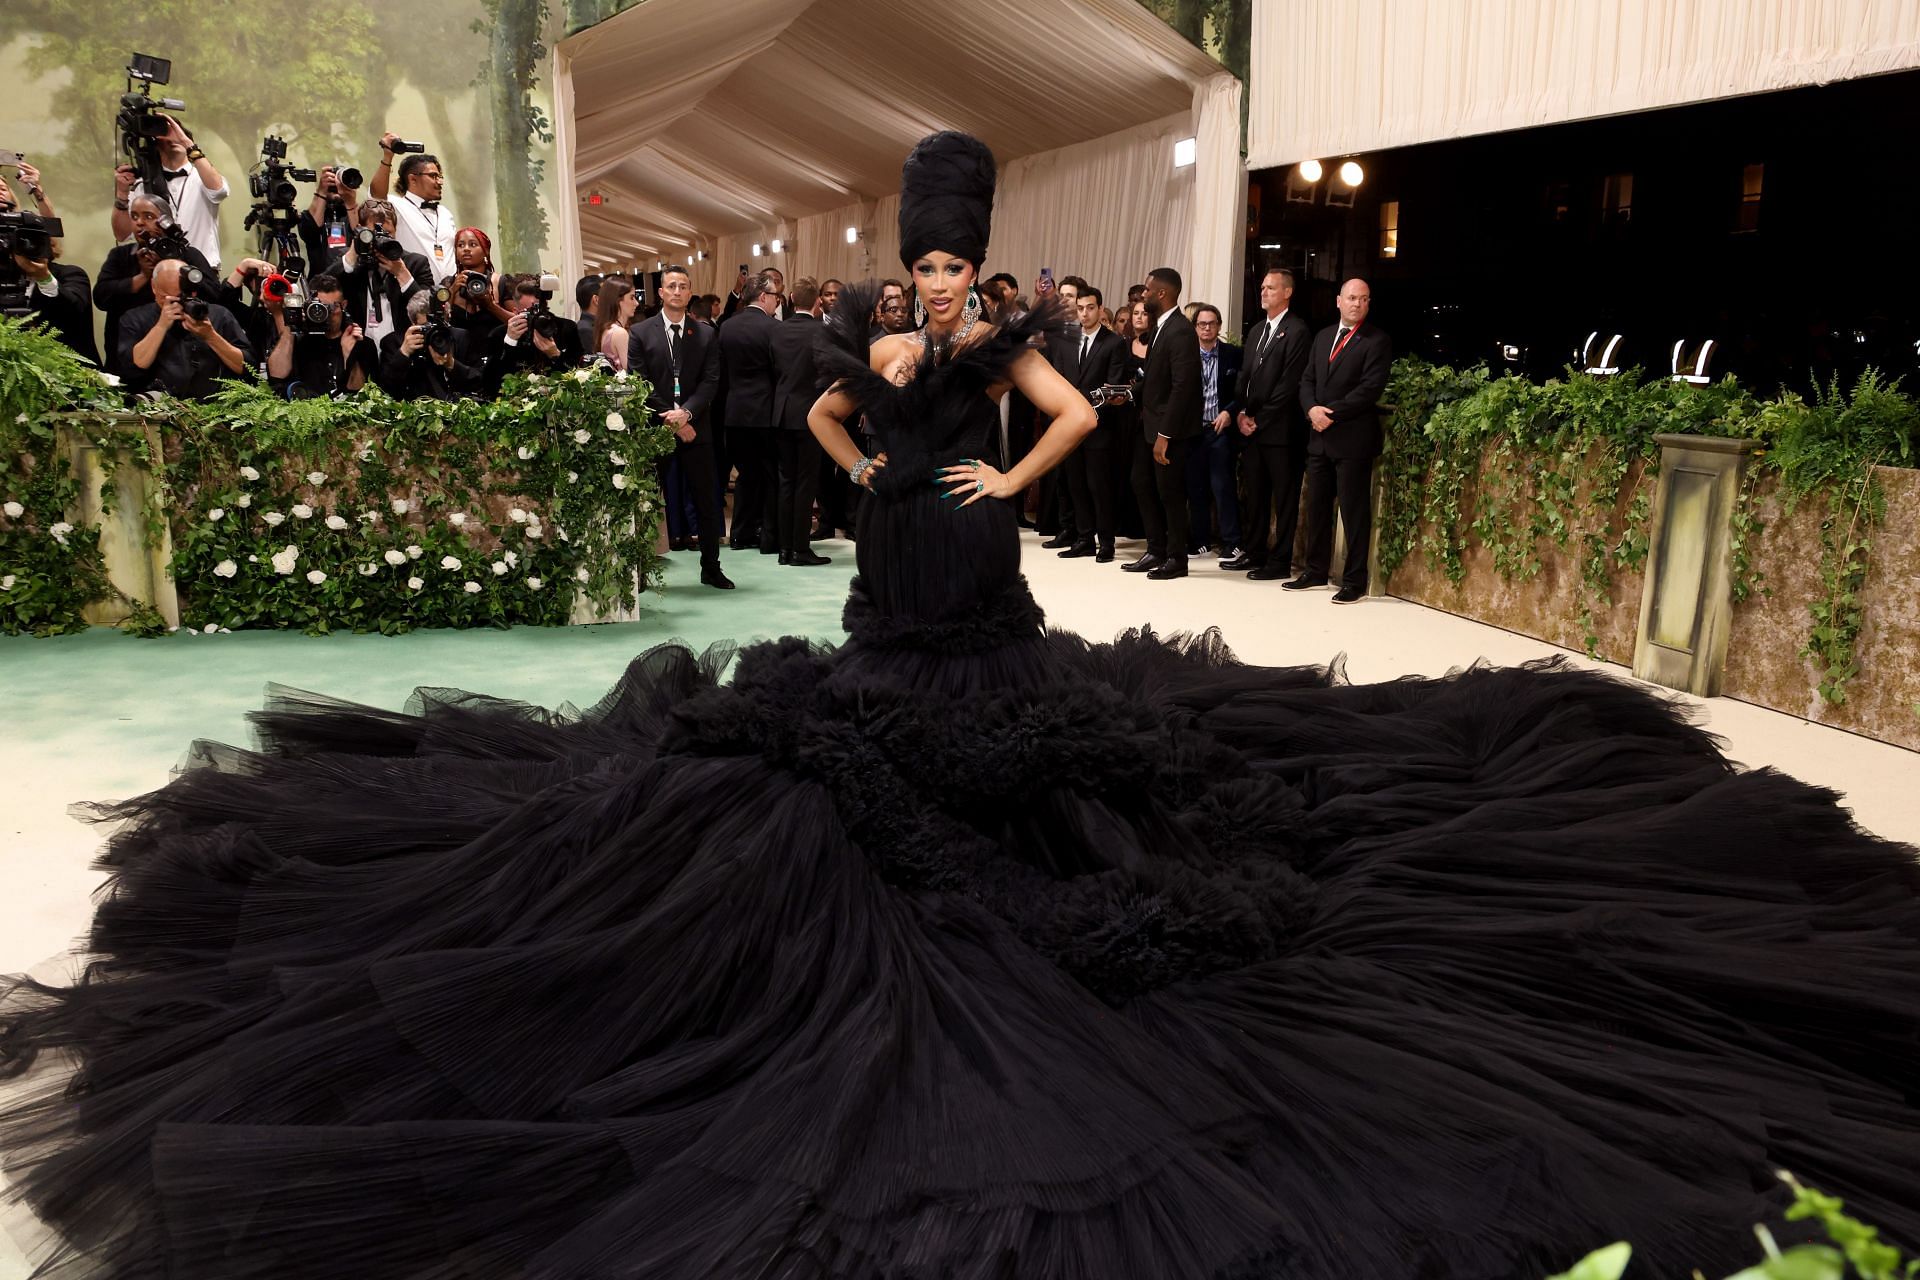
(377,275)
(429,360)
(326,224)
(534,340)
(126,276)
(55,293)
(313,357)
(421,224)
(476,309)
(194,192)
(180,343)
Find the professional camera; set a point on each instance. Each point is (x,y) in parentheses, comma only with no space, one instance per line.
(192,281)
(378,243)
(437,327)
(540,317)
(348,176)
(271,183)
(139,120)
(30,236)
(401,147)
(169,242)
(476,286)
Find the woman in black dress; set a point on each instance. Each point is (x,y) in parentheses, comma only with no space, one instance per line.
(971,948)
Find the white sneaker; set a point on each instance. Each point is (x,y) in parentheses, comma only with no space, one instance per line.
(1202,550)
(1231,553)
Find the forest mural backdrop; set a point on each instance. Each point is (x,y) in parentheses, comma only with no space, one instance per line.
(467,77)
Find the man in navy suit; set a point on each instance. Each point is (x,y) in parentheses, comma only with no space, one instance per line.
(1340,392)
(1273,430)
(1212,482)
(680,359)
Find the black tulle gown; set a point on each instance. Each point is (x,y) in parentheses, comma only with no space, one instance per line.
(966,950)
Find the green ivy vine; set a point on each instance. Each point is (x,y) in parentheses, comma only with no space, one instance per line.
(1466,453)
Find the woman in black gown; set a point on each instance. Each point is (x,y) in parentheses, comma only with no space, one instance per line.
(971,949)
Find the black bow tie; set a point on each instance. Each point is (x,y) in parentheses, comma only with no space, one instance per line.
(429,204)
(171,174)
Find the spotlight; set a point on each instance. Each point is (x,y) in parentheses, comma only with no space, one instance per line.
(1311,171)
(1690,362)
(1184,152)
(853,235)
(778,245)
(755,253)
(1600,353)
(1512,355)
(1352,174)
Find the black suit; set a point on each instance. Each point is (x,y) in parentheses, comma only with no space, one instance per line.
(365,277)
(1091,471)
(652,354)
(796,387)
(1169,396)
(68,312)
(746,347)
(1340,459)
(1276,452)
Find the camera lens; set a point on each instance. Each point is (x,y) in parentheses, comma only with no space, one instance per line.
(390,250)
(350,179)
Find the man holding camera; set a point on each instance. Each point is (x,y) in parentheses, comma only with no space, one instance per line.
(429,360)
(422,225)
(181,343)
(126,277)
(58,295)
(327,223)
(319,351)
(535,340)
(377,275)
(193,187)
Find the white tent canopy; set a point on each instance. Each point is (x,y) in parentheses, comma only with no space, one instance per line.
(709,128)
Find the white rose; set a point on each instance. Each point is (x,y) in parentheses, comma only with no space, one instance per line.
(615,422)
(14,511)
(369,516)
(499,568)
(211,629)
(415,551)
(316,477)
(110,379)
(7,581)
(253,559)
(285,558)
(316,577)
(336,523)
(472,588)
(225,569)
(248,473)
(414,584)
(60,532)
(619,479)
(449,562)
(573,477)
(581,573)
(274,519)
(646,505)
(244,501)
(365,454)
(617,460)
(535,530)
(517,515)
(581,375)
(393,557)
(400,506)
(302,511)
(511,557)
(582,436)
(458,519)
(369,569)
(534,584)
(218,513)
(620,375)
(525,454)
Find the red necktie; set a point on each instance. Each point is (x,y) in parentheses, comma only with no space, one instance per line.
(1340,346)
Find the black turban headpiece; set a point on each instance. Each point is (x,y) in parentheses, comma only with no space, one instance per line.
(946,198)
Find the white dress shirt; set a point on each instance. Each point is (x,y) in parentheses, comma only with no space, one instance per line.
(427,232)
(196,207)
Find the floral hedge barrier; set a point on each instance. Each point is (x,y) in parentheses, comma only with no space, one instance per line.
(366,514)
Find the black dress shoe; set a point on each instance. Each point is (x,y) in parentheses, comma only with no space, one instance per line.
(769,548)
(802,559)
(1147,563)
(1349,595)
(1270,572)
(817,534)
(1175,567)
(1075,550)
(715,578)
(1302,583)
(1239,562)
(1058,541)
(1105,556)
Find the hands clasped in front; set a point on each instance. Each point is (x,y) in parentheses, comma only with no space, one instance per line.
(973,480)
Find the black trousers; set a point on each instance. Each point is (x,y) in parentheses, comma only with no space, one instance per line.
(797,464)
(1350,480)
(1161,492)
(1057,510)
(1092,476)
(756,496)
(836,494)
(697,467)
(1273,475)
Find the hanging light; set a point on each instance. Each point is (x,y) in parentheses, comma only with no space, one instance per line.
(756,252)
(778,245)
(1310,171)
(1184,152)
(1352,174)
(853,235)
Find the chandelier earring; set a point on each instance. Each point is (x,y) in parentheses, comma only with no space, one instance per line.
(919,311)
(971,311)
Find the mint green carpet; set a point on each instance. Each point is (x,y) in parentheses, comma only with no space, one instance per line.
(125,705)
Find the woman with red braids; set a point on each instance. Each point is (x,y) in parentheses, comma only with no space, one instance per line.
(475,284)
